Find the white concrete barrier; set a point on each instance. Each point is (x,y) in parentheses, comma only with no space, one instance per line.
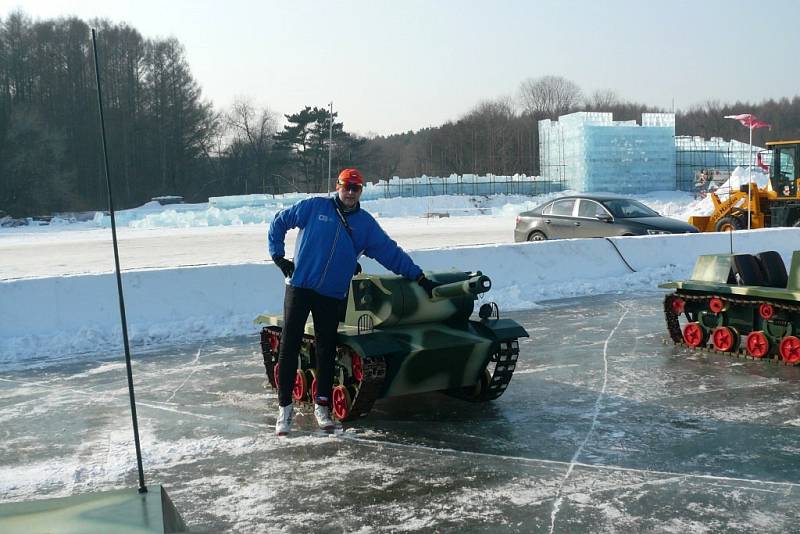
(73,314)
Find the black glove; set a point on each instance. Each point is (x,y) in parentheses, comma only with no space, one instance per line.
(358,269)
(286,266)
(427,285)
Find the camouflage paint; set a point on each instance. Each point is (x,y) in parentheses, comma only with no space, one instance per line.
(428,343)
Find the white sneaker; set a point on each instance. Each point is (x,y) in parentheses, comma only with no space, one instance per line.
(323,415)
(284,422)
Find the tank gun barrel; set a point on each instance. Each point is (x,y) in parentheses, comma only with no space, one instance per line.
(473,286)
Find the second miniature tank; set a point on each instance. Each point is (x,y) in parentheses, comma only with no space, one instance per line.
(741,304)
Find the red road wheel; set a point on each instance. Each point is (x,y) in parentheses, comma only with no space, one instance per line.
(358,367)
(724,339)
(716,304)
(677,305)
(790,349)
(276,373)
(757,344)
(300,389)
(766,311)
(342,403)
(314,388)
(693,335)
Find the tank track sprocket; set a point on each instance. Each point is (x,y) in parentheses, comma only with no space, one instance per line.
(367,390)
(676,335)
(492,384)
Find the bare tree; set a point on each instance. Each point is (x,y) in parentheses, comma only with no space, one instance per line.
(250,125)
(490,137)
(603,100)
(549,96)
(251,132)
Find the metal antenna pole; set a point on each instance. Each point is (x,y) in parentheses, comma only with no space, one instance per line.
(142,487)
(330,147)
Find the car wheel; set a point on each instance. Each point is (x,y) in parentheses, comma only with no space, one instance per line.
(536,235)
(729,223)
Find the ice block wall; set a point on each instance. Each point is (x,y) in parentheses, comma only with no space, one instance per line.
(592,152)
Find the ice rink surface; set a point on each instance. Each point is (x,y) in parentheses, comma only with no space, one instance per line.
(604,428)
(38,252)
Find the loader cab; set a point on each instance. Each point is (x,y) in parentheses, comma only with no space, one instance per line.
(784,174)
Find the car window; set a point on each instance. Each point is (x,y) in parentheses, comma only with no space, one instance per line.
(625,208)
(546,209)
(590,208)
(563,207)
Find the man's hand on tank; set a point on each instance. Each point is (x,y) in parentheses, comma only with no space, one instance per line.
(286,266)
(427,285)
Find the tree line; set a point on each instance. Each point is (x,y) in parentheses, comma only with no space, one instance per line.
(164,139)
(501,136)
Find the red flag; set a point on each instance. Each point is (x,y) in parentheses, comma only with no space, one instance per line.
(749,121)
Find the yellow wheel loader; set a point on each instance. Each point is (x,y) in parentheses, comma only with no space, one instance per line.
(778,204)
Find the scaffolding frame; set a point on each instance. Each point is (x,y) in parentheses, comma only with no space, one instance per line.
(472,185)
(556,172)
(695,156)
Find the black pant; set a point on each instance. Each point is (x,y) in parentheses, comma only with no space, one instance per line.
(297,304)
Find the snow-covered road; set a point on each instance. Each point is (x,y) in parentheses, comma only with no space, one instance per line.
(36,253)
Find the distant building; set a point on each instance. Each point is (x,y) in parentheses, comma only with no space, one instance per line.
(589,151)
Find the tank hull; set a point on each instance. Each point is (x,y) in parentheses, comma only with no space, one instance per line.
(739,305)
(416,347)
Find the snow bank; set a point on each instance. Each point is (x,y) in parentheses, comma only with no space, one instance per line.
(260,209)
(46,319)
(740,176)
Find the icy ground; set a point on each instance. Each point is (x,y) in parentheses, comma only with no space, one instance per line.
(604,428)
(40,253)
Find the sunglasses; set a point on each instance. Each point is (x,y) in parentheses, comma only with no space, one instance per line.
(353,188)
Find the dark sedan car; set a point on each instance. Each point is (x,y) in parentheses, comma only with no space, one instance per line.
(594,216)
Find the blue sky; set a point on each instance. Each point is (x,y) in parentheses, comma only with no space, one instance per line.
(394,66)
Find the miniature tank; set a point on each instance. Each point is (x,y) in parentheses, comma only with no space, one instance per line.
(739,304)
(395,340)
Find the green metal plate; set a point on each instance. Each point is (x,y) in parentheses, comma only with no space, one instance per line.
(118,511)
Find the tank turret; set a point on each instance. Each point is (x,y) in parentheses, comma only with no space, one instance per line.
(394,339)
(393,300)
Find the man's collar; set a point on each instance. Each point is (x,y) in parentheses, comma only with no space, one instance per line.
(343,208)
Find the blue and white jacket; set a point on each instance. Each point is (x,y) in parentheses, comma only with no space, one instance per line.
(326,253)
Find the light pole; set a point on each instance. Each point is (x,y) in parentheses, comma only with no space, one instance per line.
(330,146)
(751,122)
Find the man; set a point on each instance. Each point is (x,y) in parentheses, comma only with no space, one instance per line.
(334,233)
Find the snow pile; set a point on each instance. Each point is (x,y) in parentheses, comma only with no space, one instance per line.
(740,176)
(260,209)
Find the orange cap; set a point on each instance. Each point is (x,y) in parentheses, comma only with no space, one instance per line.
(351,176)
